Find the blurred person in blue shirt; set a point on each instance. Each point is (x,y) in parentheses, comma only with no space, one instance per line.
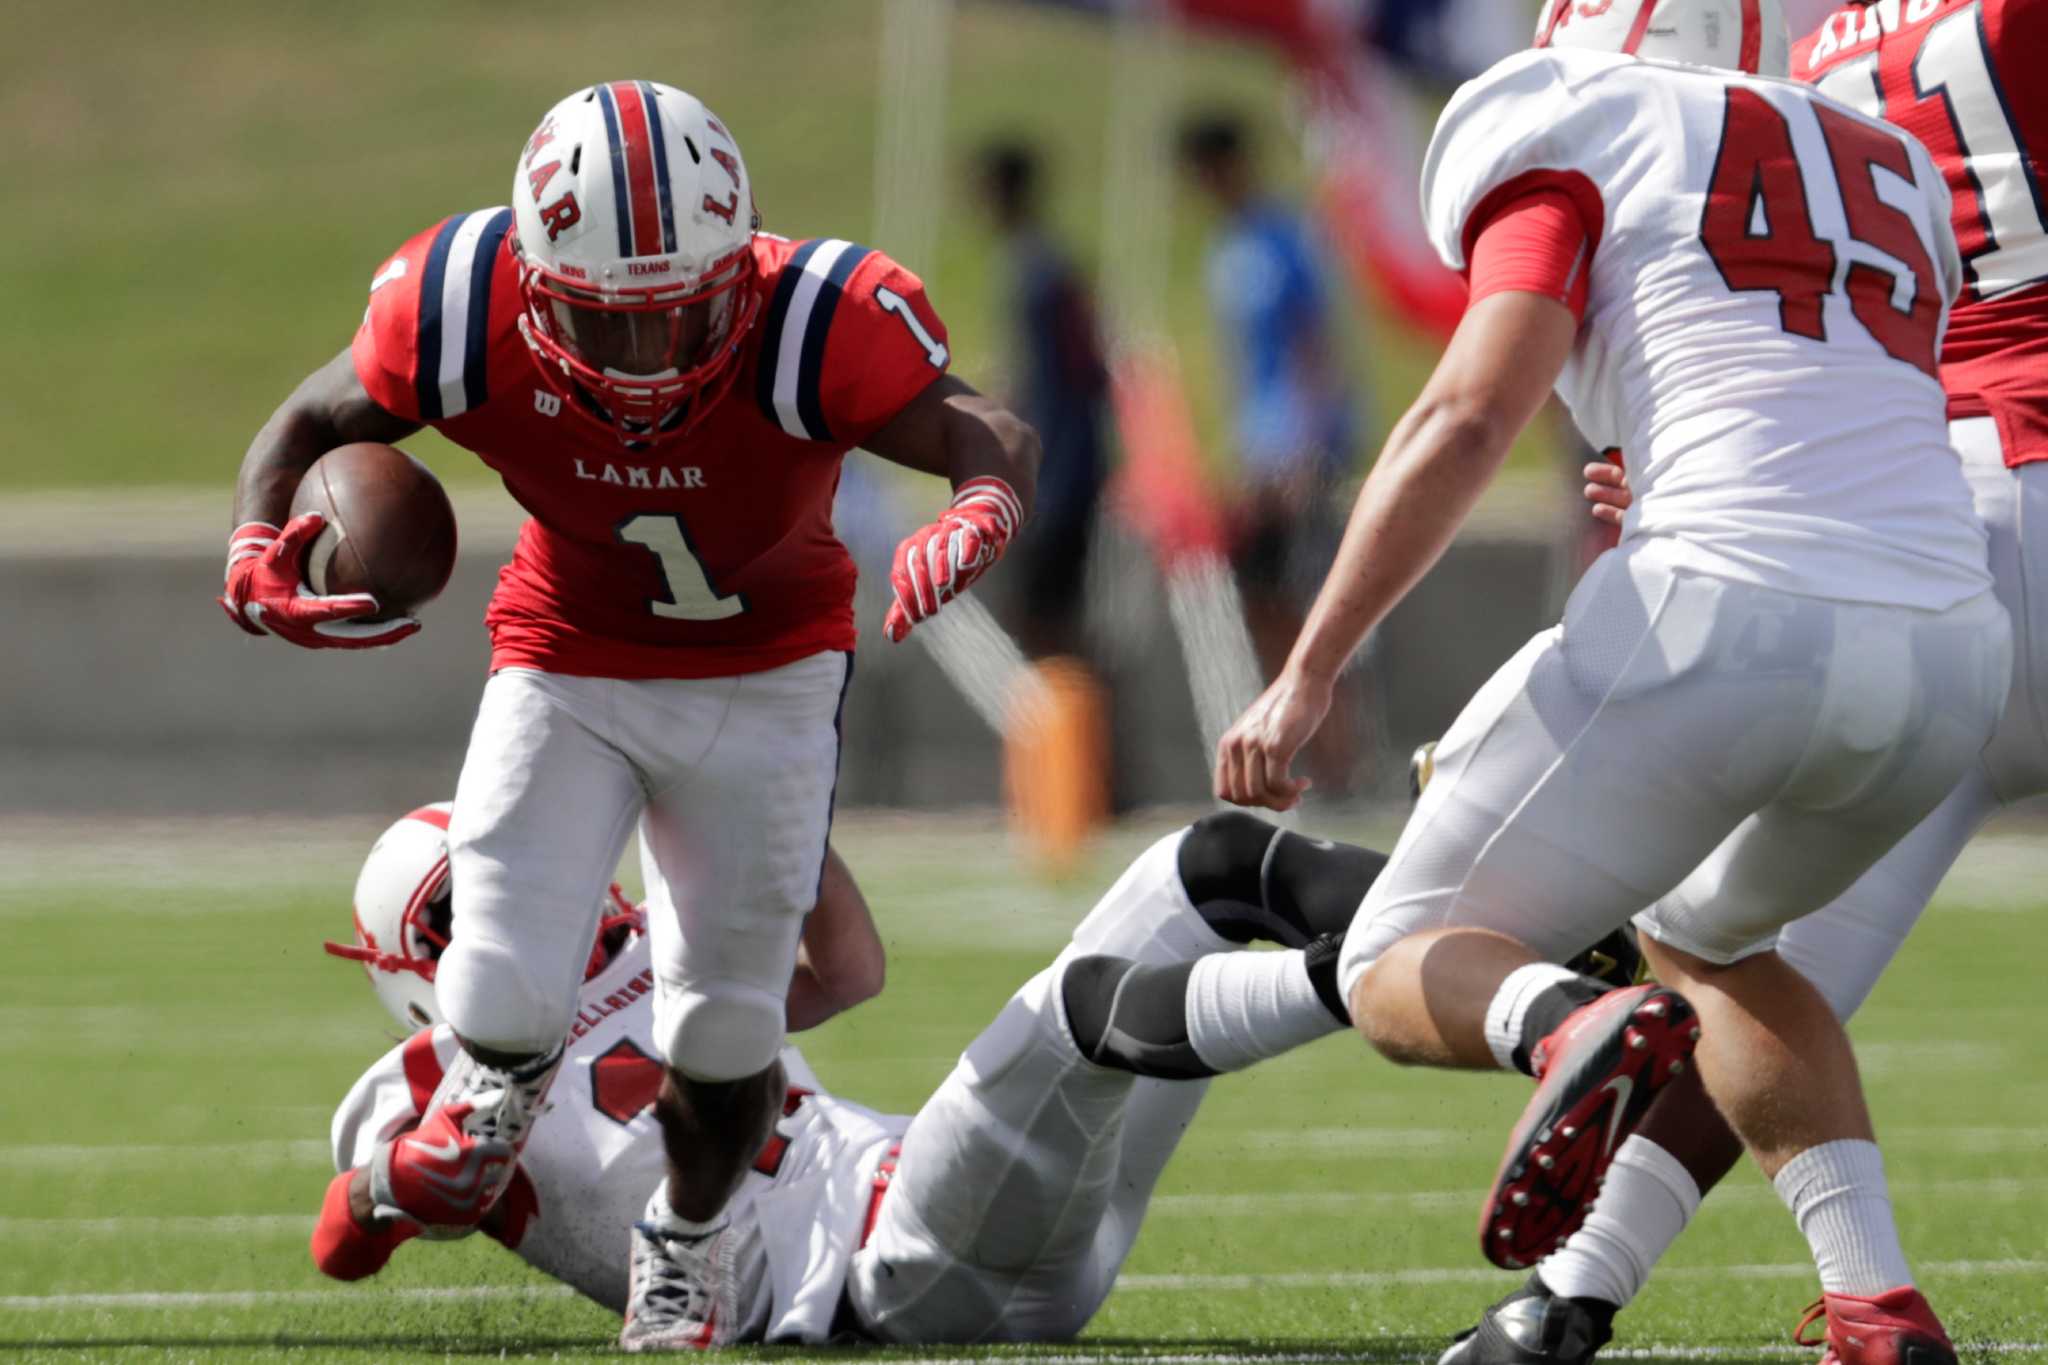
(1060,384)
(1295,425)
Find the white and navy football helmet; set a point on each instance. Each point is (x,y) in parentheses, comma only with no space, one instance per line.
(633,229)
(1735,35)
(404,911)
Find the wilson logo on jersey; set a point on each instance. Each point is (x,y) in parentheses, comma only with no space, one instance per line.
(454,319)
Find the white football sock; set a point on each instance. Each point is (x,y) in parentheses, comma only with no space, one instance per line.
(1510,1007)
(1837,1193)
(662,1215)
(1647,1201)
(1245,1007)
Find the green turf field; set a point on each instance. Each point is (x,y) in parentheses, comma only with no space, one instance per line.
(174,1041)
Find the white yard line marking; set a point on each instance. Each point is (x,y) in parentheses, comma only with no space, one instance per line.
(1381,1279)
(1205,1284)
(265,1298)
(272,1151)
(1289,1143)
(1334,1204)
(1462,1201)
(143,1225)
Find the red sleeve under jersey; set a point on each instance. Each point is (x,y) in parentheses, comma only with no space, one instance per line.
(1534,240)
(848,339)
(438,311)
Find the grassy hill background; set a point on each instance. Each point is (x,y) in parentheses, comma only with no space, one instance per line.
(197,195)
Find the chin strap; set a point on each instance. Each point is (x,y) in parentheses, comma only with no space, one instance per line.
(381,960)
(623,915)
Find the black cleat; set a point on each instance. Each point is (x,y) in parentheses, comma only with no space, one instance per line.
(1532,1326)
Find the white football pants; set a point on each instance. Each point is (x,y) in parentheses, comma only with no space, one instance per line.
(1731,755)
(731,780)
(1844,948)
(1024,1178)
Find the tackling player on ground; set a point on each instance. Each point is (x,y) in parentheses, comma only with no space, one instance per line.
(669,393)
(1960,76)
(1002,1211)
(1786,664)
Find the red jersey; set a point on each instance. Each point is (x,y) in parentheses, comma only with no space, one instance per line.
(1963,76)
(706,555)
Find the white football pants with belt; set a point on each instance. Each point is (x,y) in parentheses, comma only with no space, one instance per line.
(1731,755)
(1844,948)
(731,780)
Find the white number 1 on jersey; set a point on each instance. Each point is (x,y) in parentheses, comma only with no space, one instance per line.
(892,302)
(690,595)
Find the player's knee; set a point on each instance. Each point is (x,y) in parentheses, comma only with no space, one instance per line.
(1088,994)
(491,997)
(1375,1022)
(1219,863)
(719,1031)
(1132,1017)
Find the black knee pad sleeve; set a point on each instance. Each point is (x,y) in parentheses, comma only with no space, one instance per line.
(1315,886)
(1220,864)
(1132,1017)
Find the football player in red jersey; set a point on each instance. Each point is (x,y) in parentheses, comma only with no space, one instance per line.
(1957,74)
(669,393)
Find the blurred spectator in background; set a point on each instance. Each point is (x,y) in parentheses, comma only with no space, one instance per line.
(1060,386)
(1295,427)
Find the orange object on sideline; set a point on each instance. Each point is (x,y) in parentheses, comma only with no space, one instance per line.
(1056,764)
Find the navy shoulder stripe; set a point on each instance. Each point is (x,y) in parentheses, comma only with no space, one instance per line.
(795,331)
(455,313)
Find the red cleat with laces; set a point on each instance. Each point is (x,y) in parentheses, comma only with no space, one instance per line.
(1596,1077)
(440,1177)
(1894,1328)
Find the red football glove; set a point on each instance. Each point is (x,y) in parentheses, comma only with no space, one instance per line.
(266,592)
(936,563)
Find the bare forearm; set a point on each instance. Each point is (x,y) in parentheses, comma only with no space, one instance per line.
(1495,374)
(328,409)
(1002,446)
(841,961)
(958,434)
(811,1002)
(1437,461)
(277,459)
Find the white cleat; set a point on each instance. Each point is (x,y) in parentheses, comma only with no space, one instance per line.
(682,1293)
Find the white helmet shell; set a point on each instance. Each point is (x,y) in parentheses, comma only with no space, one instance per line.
(402,914)
(1735,35)
(631,198)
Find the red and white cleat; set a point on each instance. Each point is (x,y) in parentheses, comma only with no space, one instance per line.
(1597,1075)
(440,1177)
(465,1152)
(1895,1328)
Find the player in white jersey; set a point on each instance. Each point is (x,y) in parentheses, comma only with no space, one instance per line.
(1955,74)
(1788,661)
(1001,1211)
